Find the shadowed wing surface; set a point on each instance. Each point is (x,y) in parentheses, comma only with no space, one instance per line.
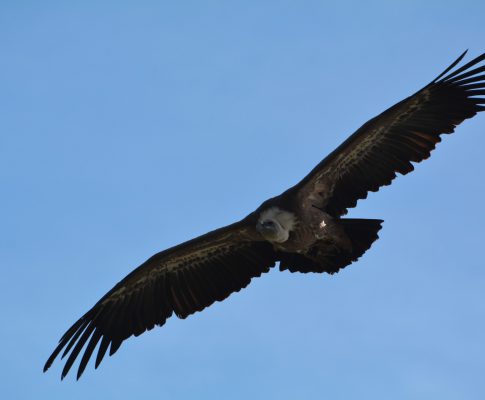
(181,280)
(407,132)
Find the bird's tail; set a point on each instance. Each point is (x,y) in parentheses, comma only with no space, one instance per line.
(326,257)
(362,233)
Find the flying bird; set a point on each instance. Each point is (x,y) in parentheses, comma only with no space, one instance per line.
(303,229)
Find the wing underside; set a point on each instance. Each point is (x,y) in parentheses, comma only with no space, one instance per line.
(180,281)
(390,143)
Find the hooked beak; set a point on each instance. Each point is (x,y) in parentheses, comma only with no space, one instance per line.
(266,226)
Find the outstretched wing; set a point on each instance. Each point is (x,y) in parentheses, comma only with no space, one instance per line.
(407,132)
(181,280)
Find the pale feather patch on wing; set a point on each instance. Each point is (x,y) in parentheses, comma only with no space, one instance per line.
(375,137)
(218,249)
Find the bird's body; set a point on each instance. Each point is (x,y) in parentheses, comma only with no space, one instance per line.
(303,229)
(308,238)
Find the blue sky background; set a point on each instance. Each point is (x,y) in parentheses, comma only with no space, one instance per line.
(128,127)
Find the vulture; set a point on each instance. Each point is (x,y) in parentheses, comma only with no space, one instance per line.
(303,229)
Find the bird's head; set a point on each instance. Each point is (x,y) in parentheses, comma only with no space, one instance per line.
(275,224)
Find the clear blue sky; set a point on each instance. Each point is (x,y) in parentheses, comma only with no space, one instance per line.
(128,127)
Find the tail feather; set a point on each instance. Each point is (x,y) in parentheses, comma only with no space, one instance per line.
(327,257)
(362,233)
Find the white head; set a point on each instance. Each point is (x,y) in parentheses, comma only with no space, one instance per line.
(275,224)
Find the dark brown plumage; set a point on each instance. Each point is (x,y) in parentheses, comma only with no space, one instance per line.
(302,229)
(407,132)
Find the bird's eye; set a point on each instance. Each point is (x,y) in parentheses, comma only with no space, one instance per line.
(268,223)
